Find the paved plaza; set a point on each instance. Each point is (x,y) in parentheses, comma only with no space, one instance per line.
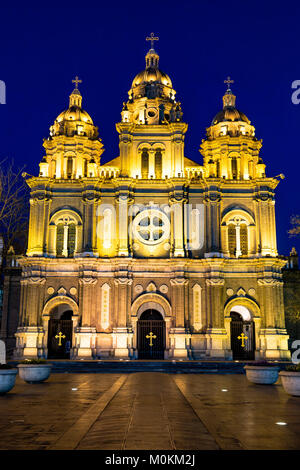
(148,411)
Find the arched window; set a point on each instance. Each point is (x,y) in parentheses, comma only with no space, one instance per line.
(66,234)
(234,168)
(71,239)
(237,228)
(69,167)
(59,239)
(231,239)
(145,163)
(158,164)
(244,239)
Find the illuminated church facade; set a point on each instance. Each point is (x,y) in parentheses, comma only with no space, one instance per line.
(152,255)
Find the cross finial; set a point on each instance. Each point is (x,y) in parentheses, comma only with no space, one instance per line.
(76,81)
(152,38)
(228,81)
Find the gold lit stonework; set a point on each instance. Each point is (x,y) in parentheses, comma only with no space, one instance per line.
(109,241)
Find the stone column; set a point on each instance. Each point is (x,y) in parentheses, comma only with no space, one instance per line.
(216,333)
(31,333)
(88,222)
(123,201)
(86,334)
(273,337)
(213,224)
(37,222)
(177,202)
(179,335)
(122,332)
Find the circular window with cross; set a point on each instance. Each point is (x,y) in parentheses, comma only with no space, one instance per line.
(151,227)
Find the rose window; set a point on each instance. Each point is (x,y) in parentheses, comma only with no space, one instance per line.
(151,227)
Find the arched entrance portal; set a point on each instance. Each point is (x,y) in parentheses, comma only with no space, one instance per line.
(151,335)
(242,331)
(60,332)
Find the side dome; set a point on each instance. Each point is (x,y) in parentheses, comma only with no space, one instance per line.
(229,111)
(229,114)
(229,121)
(74,120)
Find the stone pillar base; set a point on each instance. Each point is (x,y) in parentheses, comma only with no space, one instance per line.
(274,343)
(179,343)
(122,342)
(216,343)
(29,342)
(85,338)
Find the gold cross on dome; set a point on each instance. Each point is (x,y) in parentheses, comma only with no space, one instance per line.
(152,38)
(151,336)
(228,81)
(243,338)
(76,81)
(60,336)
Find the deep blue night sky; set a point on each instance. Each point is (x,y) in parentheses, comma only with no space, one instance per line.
(201,42)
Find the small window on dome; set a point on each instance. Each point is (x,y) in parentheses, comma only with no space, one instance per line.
(223,130)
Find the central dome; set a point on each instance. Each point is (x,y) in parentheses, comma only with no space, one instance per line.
(152,82)
(152,73)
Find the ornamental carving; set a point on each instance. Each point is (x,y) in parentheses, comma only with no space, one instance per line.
(179,282)
(34,281)
(163,288)
(229,292)
(88,281)
(269,282)
(123,281)
(138,288)
(217,282)
(241,292)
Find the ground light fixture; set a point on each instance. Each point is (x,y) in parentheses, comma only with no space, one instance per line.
(224,390)
(74,389)
(281,423)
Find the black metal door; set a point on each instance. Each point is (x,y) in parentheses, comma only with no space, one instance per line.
(242,338)
(151,339)
(59,338)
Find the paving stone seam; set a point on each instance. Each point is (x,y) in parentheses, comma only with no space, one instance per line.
(72,437)
(226,441)
(165,412)
(123,446)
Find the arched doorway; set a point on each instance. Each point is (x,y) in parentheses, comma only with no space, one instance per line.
(151,335)
(242,331)
(60,332)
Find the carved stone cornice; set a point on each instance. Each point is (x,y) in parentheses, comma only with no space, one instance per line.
(123,281)
(33,281)
(88,281)
(179,282)
(216,282)
(269,282)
